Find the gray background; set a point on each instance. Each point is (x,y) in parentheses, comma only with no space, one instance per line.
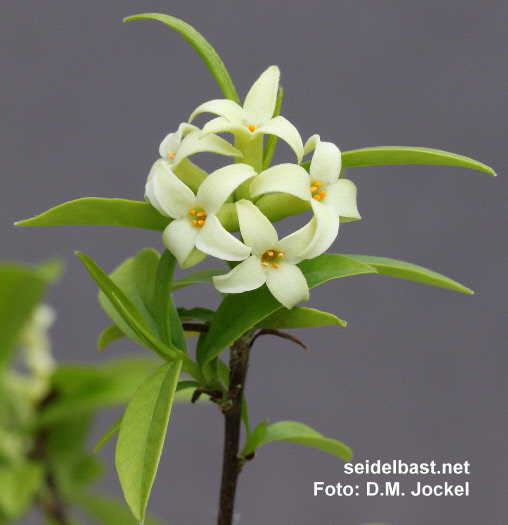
(420,373)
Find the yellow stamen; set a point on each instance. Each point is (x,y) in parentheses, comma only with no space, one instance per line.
(192,212)
(318,184)
(270,253)
(171,154)
(280,254)
(322,194)
(264,264)
(265,256)
(201,214)
(313,189)
(317,197)
(275,265)
(195,222)
(201,223)
(252,128)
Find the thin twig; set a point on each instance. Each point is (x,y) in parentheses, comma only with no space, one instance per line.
(195,327)
(280,333)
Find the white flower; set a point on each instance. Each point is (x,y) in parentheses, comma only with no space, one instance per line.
(187,140)
(329,196)
(255,118)
(272,261)
(195,224)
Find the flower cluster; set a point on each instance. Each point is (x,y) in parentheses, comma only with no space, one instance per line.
(178,189)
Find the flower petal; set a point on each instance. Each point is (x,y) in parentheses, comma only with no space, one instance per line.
(282,128)
(179,238)
(257,231)
(248,275)
(297,242)
(224,108)
(213,239)
(326,163)
(286,178)
(220,125)
(192,143)
(219,185)
(341,196)
(311,144)
(172,141)
(287,284)
(174,197)
(327,229)
(150,195)
(260,101)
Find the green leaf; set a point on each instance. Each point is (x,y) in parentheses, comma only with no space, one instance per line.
(254,439)
(239,312)
(390,155)
(110,433)
(271,141)
(19,484)
(299,317)
(245,415)
(204,49)
(109,335)
(103,212)
(126,309)
(168,321)
(411,272)
(83,389)
(22,287)
(295,432)
(201,314)
(203,276)
(142,434)
(108,511)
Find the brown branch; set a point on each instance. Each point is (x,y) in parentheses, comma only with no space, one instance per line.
(232,410)
(195,327)
(280,333)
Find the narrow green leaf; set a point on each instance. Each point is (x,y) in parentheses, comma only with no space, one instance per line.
(271,141)
(299,317)
(203,276)
(411,272)
(391,155)
(109,335)
(108,511)
(128,312)
(254,439)
(299,433)
(142,434)
(239,312)
(110,433)
(245,414)
(103,212)
(204,49)
(168,321)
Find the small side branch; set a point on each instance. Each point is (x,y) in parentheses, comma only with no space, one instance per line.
(280,333)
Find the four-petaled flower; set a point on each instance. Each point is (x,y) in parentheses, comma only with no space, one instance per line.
(195,224)
(329,196)
(272,261)
(255,118)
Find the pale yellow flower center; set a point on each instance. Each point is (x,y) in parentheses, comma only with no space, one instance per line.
(271,257)
(316,194)
(200,219)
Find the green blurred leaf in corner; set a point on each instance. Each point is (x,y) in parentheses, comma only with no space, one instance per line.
(19,484)
(393,155)
(295,432)
(22,288)
(299,317)
(411,272)
(203,48)
(239,312)
(142,435)
(110,433)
